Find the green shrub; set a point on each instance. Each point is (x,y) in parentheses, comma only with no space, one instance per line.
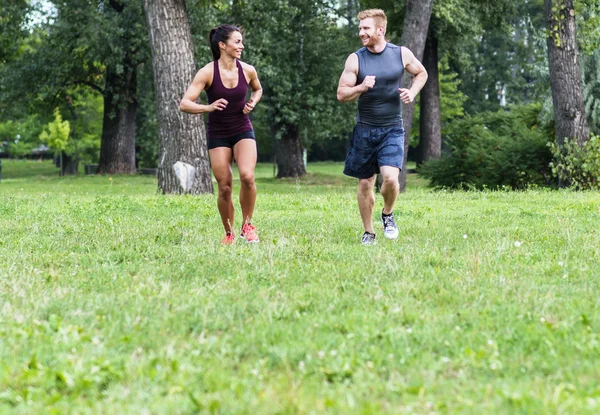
(577,167)
(493,150)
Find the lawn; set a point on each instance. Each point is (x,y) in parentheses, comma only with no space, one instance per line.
(115,299)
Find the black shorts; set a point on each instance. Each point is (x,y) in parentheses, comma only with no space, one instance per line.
(230,142)
(373,147)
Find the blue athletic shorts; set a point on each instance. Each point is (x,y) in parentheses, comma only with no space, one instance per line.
(373,147)
(229,141)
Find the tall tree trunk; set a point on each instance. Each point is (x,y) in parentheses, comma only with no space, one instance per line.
(182,137)
(289,154)
(117,148)
(565,73)
(430,144)
(414,34)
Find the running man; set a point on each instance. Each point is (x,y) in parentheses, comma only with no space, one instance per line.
(373,74)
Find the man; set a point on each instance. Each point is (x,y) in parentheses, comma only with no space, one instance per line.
(373,74)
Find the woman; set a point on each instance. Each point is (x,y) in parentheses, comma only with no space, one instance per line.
(230,133)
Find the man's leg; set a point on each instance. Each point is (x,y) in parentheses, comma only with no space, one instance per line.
(389,190)
(220,162)
(389,187)
(366,201)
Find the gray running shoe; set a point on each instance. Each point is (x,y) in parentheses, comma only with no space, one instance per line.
(390,230)
(368,239)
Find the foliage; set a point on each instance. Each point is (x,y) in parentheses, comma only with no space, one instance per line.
(591,89)
(452,101)
(494,150)
(56,133)
(578,167)
(19,137)
(504,64)
(299,52)
(587,13)
(13,14)
(146,139)
(122,301)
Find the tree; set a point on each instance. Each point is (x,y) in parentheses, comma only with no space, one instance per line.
(98,44)
(182,137)
(565,73)
(430,137)
(56,135)
(299,52)
(414,35)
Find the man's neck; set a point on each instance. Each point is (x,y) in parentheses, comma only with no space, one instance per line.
(379,47)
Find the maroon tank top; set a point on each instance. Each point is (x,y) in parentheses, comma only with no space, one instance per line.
(232,120)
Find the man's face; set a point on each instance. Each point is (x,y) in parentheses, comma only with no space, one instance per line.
(368,32)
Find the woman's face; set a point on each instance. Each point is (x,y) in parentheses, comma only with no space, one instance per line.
(234,45)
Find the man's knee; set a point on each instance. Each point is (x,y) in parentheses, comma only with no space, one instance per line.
(390,181)
(366,185)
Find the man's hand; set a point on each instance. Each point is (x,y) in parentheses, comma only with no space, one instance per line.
(406,96)
(368,83)
(218,105)
(249,106)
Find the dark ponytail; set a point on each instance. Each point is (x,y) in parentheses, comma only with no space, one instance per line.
(220,33)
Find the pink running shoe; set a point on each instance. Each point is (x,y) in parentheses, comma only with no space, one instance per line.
(249,233)
(228,239)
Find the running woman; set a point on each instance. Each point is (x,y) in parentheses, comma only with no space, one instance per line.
(230,134)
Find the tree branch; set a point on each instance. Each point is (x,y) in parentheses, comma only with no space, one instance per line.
(116,5)
(87,83)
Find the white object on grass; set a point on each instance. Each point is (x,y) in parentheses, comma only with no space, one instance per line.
(186,173)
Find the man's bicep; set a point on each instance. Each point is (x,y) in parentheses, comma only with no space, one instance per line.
(348,79)
(411,63)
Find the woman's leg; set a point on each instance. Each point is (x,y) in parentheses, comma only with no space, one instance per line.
(221,159)
(245,158)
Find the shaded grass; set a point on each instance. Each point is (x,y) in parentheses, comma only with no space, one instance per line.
(118,300)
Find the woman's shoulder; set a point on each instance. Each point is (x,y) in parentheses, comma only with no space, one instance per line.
(249,69)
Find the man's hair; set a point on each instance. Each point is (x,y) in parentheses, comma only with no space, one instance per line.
(377,14)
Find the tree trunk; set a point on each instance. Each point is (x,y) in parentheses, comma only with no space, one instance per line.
(565,74)
(70,165)
(117,148)
(414,34)
(289,154)
(182,137)
(430,144)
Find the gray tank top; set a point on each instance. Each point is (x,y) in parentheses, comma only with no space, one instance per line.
(380,106)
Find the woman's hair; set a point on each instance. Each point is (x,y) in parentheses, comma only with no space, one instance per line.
(220,33)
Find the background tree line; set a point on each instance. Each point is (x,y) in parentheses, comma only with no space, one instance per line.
(113,68)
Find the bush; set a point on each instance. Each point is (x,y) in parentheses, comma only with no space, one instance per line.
(493,150)
(577,167)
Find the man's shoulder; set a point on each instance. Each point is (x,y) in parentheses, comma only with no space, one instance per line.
(393,46)
(361,51)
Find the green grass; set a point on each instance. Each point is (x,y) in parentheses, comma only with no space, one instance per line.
(116,299)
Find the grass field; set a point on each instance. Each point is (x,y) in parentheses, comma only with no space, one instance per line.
(115,299)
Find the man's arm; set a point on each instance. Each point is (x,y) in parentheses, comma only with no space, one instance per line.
(188,103)
(347,88)
(415,68)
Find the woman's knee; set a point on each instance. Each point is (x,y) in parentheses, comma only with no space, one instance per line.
(247,178)
(225,189)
